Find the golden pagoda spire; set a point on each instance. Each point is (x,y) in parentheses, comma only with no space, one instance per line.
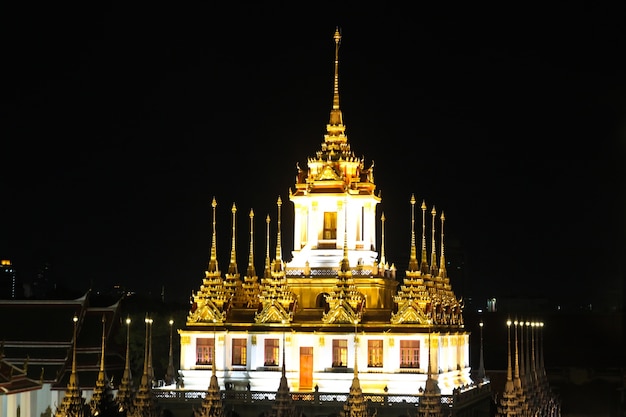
(442,261)
(102,401)
(413,257)
(430,403)
(278,302)
(345,301)
(213,261)
(233,287)
(383,261)
(336,118)
(125,392)
(279,257)
(268,268)
(251,272)
(250,283)
(73,403)
(232,267)
(509,370)
(433,248)
(144,403)
(517,382)
(424,264)
(345,262)
(355,405)
(212,405)
(508,401)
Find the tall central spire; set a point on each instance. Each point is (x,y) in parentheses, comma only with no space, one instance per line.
(335,128)
(335,114)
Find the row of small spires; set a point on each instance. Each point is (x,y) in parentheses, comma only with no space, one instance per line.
(527,390)
(422,266)
(128,402)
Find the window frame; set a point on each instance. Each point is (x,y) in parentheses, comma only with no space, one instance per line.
(239,355)
(271,354)
(340,353)
(375,352)
(205,350)
(410,354)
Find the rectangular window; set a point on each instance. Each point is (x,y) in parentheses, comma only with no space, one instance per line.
(240,352)
(409,354)
(375,353)
(330,225)
(204,351)
(340,353)
(272,348)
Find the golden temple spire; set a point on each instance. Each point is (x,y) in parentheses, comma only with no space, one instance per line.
(232,267)
(74,376)
(213,261)
(383,261)
(251,272)
(73,403)
(101,401)
(267,272)
(335,137)
(424,264)
(433,248)
(103,343)
(442,261)
(279,256)
(413,257)
(125,392)
(335,114)
(509,367)
(345,262)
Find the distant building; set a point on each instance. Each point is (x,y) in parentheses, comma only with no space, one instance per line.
(9,289)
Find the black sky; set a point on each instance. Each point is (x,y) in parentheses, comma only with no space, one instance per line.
(120,124)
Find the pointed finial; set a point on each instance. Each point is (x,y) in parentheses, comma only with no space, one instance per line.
(383,261)
(213,267)
(433,248)
(442,261)
(267,272)
(279,256)
(251,272)
(413,257)
(424,265)
(345,262)
(232,267)
(335,126)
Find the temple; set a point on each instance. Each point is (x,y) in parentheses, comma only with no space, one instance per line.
(337,288)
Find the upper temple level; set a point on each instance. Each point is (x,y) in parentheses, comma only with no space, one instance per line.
(334,200)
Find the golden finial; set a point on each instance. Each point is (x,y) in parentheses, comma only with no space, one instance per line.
(213,267)
(279,203)
(413,257)
(251,271)
(424,265)
(232,268)
(442,261)
(383,261)
(345,263)
(267,272)
(433,249)
(335,114)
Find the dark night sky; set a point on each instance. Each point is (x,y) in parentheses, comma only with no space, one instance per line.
(121,124)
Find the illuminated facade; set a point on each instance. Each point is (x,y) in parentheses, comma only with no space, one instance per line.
(337,305)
